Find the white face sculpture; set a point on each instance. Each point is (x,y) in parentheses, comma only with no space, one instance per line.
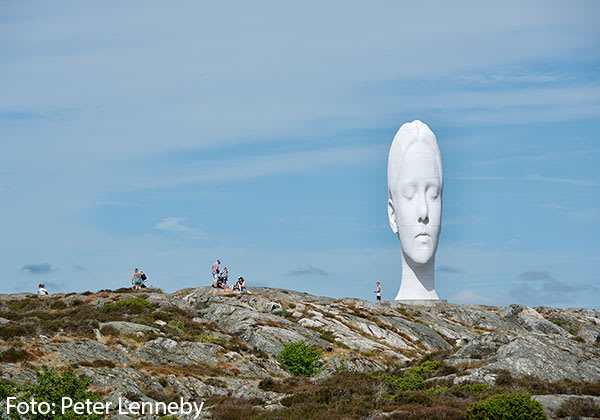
(415,187)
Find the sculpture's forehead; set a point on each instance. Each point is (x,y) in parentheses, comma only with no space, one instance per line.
(419,161)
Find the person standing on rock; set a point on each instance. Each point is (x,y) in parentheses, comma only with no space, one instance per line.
(215,272)
(378,292)
(136,279)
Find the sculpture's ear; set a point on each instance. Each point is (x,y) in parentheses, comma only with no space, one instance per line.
(392,216)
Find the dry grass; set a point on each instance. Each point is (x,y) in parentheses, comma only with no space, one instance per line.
(576,407)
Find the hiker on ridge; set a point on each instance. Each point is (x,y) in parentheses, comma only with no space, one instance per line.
(378,292)
(136,279)
(215,272)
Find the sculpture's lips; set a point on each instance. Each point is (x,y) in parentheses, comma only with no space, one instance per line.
(425,234)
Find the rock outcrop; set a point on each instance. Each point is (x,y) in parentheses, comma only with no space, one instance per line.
(202,343)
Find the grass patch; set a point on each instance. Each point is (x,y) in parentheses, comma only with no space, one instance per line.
(210,338)
(176,324)
(134,304)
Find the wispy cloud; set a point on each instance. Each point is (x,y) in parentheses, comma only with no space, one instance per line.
(535,157)
(447,269)
(467,296)
(514,77)
(571,181)
(37,269)
(535,178)
(175,224)
(542,288)
(308,271)
(225,170)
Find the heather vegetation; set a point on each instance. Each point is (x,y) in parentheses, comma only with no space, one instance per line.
(404,394)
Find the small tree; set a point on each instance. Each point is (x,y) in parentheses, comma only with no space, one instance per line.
(51,387)
(301,359)
(511,406)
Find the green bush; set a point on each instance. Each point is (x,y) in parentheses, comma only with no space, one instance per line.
(282,313)
(428,366)
(510,406)
(177,324)
(51,387)
(407,383)
(301,359)
(6,390)
(131,303)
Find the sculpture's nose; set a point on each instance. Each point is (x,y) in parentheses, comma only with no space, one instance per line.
(422,210)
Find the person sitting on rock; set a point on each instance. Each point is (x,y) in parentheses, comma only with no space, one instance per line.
(222,279)
(224,276)
(241,285)
(42,290)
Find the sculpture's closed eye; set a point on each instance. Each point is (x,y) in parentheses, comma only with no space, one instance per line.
(433,192)
(409,192)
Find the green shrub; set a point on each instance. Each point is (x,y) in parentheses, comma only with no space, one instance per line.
(559,322)
(6,390)
(51,387)
(301,359)
(177,324)
(135,303)
(407,383)
(428,366)
(283,313)
(510,406)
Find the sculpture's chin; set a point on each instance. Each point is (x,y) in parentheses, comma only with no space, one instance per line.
(419,257)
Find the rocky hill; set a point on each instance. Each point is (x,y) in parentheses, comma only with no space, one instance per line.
(222,349)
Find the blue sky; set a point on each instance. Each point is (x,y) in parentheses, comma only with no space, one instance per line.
(161,136)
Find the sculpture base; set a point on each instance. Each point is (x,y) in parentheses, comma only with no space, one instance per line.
(421,302)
